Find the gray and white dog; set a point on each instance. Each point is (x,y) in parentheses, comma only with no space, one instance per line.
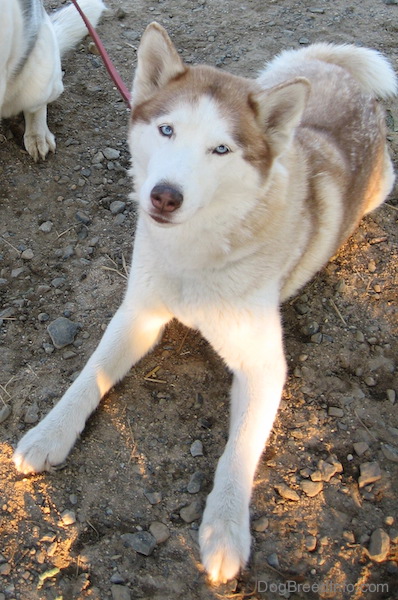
(31,46)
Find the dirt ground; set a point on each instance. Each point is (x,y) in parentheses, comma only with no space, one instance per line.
(64,247)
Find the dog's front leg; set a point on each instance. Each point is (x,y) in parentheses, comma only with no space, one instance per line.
(38,139)
(255,353)
(132,332)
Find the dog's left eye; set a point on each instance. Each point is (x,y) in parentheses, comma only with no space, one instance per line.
(221,149)
(166,130)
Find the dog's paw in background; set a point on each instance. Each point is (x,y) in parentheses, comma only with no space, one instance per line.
(224,540)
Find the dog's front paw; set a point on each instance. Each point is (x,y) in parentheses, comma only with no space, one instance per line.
(224,543)
(42,448)
(39,144)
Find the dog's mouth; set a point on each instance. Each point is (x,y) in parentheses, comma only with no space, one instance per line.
(161,219)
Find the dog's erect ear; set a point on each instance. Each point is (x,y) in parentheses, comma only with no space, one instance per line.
(158,63)
(280,109)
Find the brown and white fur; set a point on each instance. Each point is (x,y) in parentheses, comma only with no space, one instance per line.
(245,188)
(31,46)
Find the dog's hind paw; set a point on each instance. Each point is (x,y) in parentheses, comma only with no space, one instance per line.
(39,145)
(225,548)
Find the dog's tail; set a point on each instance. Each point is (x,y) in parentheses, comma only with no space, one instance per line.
(369,67)
(69,26)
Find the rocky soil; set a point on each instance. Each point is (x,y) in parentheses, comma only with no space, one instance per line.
(120,520)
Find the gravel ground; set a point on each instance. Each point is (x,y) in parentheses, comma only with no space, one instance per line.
(120,520)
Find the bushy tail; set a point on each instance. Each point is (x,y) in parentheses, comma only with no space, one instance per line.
(69,26)
(370,68)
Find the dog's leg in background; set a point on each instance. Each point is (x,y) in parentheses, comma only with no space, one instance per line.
(132,332)
(254,350)
(38,139)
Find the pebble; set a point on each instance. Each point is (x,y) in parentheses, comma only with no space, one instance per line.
(46,227)
(5,569)
(311,488)
(27,254)
(62,332)
(195,483)
(153,497)
(159,531)
(68,517)
(329,468)
(286,492)
(390,452)
(310,543)
(273,560)
(120,592)
(5,412)
(142,542)
(117,207)
(379,545)
(197,448)
(192,512)
(31,414)
(360,448)
(310,328)
(111,153)
(391,395)
(260,524)
(117,578)
(370,472)
(335,411)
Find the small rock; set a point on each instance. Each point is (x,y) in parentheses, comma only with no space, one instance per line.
(27,254)
(316,476)
(260,524)
(68,517)
(62,332)
(360,448)
(31,414)
(5,569)
(370,472)
(390,452)
(142,542)
(197,448)
(273,560)
(120,592)
(310,543)
(329,468)
(153,497)
(311,488)
(159,531)
(335,411)
(5,412)
(117,578)
(391,395)
(192,512)
(83,217)
(286,492)
(111,153)
(46,227)
(117,207)
(379,545)
(195,483)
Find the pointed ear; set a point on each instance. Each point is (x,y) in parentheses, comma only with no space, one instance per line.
(280,109)
(158,63)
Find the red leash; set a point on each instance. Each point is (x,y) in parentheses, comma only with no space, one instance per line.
(105,57)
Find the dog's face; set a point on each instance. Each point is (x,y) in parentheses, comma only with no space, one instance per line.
(202,141)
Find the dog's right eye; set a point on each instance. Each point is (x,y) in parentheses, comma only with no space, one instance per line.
(166,130)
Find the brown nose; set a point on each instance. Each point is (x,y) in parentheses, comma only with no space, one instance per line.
(166,198)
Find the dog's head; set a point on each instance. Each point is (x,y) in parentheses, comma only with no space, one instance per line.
(203,141)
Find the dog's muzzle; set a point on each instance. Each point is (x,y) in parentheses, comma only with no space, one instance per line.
(165,200)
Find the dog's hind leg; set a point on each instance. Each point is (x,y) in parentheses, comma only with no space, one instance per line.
(254,350)
(38,139)
(132,332)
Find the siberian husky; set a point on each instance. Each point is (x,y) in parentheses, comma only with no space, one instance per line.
(245,188)
(31,46)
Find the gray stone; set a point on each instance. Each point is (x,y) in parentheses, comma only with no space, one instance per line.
(5,412)
(117,207)
(192,512)
(142,542)
(31,414)
(195,483)
(68,517)
(120,592)
(379,545)
(197,448)
(335,411)
(27,254)
(46,227)
(370,472)
(111,153)
(360,448)
(153,497)
(62,332)
(159,531)
(390,452)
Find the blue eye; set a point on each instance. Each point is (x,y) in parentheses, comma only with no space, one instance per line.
(166,130)
(221,149)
